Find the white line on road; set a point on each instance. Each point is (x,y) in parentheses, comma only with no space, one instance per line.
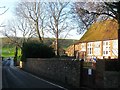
(45,80)
(16,78)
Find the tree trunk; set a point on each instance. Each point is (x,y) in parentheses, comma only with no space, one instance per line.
(16,54)
(56,44)
(118,42)
(38,32)
(118,32)
(119,51)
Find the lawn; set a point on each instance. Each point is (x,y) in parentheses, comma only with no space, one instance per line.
(9,52)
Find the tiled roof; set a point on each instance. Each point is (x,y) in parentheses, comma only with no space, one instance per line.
(103,30)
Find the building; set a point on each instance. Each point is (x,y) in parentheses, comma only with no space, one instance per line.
(99,41)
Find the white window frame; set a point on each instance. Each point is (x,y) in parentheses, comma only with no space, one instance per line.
(106,48)
(90,48)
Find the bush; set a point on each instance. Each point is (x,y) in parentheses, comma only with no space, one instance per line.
(36,50)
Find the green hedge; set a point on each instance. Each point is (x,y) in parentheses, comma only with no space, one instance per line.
(36,50)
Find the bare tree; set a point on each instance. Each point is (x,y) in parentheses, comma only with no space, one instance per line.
(57,15)
(10,31)
(3,13)
(83,17)
(34,14)
(25,29)
(16,27)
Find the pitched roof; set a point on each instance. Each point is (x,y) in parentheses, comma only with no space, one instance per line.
(103,30)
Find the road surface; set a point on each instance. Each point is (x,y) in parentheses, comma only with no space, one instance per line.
(13,77)
(0,73)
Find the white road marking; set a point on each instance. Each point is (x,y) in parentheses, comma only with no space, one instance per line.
(14,76)
(45,80)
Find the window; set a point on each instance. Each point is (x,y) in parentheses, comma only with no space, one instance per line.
(103,52)
(106,48)
(82,46)
(90,51)
(89,48)
(106,52)
(99,46)
(106,43)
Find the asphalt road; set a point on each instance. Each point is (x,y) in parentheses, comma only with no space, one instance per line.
(0,74)
(13,77)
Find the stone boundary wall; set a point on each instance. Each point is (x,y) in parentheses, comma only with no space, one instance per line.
(111,79)
(65,71)
(68,72)
(107,74)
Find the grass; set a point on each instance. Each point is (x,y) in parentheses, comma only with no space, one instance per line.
(10,52)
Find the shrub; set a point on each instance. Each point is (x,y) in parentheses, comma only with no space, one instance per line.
(36,50)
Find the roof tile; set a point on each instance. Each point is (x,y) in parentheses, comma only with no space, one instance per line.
(103,30)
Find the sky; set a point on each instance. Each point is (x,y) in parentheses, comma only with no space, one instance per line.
(10,5)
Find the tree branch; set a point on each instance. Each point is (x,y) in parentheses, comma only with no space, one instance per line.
(4,12)
(104,14)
